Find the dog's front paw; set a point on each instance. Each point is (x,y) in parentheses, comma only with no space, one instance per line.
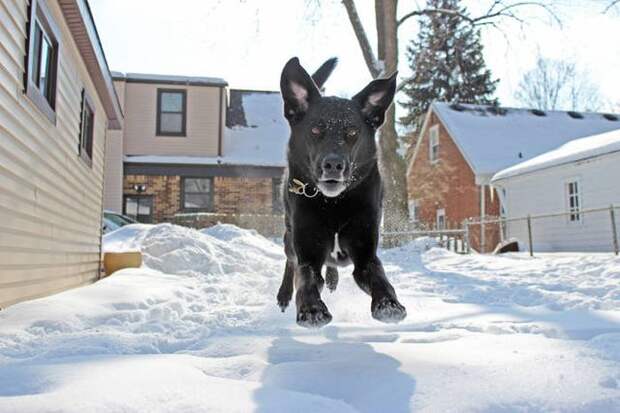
(331,278)
(313,315)
(388,310)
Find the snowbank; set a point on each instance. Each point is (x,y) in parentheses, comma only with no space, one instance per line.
(179,250)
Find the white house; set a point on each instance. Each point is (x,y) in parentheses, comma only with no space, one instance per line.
(578,176)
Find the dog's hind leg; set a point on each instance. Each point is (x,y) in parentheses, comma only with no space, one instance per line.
(285,294)
(331,278)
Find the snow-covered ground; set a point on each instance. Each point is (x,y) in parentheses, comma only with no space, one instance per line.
(198,329)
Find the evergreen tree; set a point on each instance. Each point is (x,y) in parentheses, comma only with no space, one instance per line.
(447,63)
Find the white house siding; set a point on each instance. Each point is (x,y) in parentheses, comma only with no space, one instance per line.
(50,200)
(544,192)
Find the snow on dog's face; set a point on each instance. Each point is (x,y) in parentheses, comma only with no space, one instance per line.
(332,139)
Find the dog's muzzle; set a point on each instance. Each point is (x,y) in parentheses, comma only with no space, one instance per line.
(332,181)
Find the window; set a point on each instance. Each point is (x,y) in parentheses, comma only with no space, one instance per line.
(197,194)
(171,112)
(441,219)
(277,206)
(502,203)
(433,143)
(574,200)
(42,60)
(87,121)
(413,210)
(139,207)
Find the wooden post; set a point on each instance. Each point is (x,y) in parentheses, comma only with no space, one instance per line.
(529,235)
(614,232)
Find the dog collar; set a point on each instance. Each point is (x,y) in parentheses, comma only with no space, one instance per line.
(299,188)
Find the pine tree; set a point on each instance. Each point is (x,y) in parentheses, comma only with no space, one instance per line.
(447,63)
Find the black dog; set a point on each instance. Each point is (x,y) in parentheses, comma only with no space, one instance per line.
(333,193)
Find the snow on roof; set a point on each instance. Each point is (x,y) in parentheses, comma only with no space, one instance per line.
(573,151)
(258,132)
(492,139)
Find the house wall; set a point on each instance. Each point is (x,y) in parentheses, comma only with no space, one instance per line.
(232,195)
(203,121)
(243,195)
(113,185)
(448,183)
(544,192)
(50,200)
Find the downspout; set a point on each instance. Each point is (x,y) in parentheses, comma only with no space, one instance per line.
(482,217)
(219,138)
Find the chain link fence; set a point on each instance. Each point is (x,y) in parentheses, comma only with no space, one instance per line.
(586,230)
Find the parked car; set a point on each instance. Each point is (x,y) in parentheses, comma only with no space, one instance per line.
(114,220)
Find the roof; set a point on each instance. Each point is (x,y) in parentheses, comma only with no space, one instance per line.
(80,21)
(574,151)
(170,79)
(492,138)
(196,160)
(256,131)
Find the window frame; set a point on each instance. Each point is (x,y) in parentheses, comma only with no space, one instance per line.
(86,152)
(437,215)
(211,207)
(40,16)
(183,132)
(413,205)
(149,198)
(574,212)
(433,142)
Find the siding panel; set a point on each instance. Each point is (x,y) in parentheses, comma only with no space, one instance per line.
(50,200)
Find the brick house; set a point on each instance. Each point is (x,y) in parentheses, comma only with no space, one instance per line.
(191,145)
(462,146)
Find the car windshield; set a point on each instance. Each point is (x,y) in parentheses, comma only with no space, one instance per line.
(118,219)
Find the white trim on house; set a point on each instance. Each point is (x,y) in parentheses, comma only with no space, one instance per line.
(433,144)
(573,190)
(413,206)
(440,218)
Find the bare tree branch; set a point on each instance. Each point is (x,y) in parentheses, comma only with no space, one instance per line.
(498,9)
(611,5)
(369,56)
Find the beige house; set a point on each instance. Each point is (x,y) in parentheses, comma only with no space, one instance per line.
(190,144)
(57,103)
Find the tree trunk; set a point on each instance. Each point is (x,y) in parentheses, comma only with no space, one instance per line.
(391,163)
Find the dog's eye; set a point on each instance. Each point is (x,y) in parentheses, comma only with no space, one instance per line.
(316,131)
(352,133)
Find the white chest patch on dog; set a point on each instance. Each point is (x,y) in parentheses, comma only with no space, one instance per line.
(336,249)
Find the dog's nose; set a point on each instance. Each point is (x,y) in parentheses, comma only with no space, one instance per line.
(333,165)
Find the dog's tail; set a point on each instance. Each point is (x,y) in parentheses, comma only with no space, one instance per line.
(323,72)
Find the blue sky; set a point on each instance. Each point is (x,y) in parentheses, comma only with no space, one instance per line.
(248,41)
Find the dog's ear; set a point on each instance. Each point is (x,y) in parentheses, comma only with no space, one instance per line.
(376,98)
(322,73)
(298,90)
